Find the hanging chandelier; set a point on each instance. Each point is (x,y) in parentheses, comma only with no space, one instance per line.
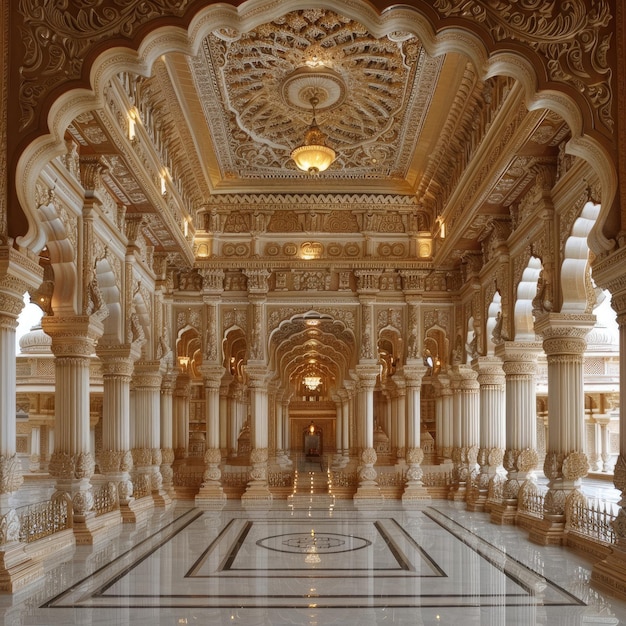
(313,156)
(312,382)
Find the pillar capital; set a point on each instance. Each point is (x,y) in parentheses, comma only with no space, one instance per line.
(413,372)
(565,333)
(518,351)
(73,336)
(367,373)
(18,273)
(212,375)
(117,360)
(489,370)
(147,374)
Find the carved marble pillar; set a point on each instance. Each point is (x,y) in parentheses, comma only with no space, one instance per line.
(491,381)
(611,571)
(566,462)
(115,459)
(226,416)
(467,420)
(257,492)
(445,428)
(519,361)
(345,437)
(287,431)
(35,447)
(181,418)
(414,490)
(168,384)
(211,495)
(400,403)
(18,273)
(146,451)
(338,457)
(368,491)
(72,463)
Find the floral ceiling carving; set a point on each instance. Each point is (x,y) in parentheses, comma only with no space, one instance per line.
(373,94)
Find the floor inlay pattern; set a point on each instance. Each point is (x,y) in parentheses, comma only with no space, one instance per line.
(416,559)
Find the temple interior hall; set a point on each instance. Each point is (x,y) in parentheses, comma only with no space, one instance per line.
(312,312)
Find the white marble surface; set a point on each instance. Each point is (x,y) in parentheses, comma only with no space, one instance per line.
(314,566)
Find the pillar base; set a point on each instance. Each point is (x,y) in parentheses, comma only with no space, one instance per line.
(478,505)
(257,495)
(503,512)
(17,568)
(549,531)
(415,493)
(162,499)
(136,511)
(211,497)
(610,573)
(368,496)
(92,530)
(458,494)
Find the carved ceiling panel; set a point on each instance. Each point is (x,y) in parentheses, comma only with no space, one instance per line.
(373,94)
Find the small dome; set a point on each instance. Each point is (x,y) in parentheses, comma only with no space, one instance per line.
(602,337)
(35,342)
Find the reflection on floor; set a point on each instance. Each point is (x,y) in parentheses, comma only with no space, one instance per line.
(307,563)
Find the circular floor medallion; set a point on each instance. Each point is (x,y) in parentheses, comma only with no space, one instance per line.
(318,542)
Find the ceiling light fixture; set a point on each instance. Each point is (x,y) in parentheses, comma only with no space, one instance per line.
(312,382)
(313,156)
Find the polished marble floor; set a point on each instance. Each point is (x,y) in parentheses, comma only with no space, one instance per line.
(313,563)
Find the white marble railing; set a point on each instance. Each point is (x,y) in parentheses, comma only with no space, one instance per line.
(43,519)
(592,518)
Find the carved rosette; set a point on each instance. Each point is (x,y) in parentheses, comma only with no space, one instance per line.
(619,526)
(414,456)
(212,458)
(552,465)
(125,491)
(168,456)
(9,527)
(575,466)
(510,460)
(414,473)
(258,458)
(82,502)
(495,456)
(115,461)
(511,489)
(142,456)
(554,502)
(156,481)
(157,458)
(527,460)
(64,465)
(367,473)
(10,474)
(369,456)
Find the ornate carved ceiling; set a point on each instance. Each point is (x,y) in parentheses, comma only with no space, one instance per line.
(424,133)
(255,90)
